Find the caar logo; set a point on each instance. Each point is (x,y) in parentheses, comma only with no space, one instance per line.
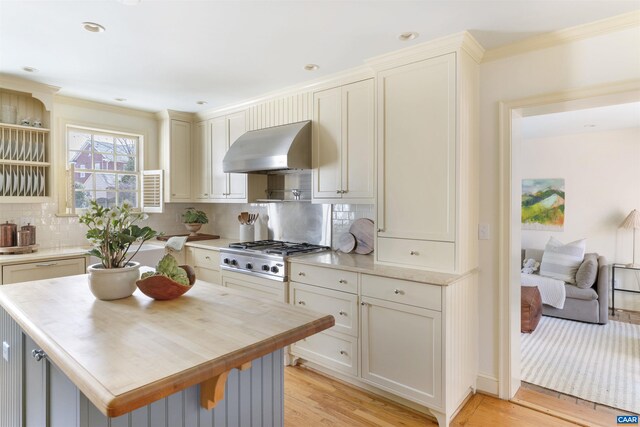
(627,419)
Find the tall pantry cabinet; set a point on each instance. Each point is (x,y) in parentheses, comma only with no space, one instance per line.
(427,193)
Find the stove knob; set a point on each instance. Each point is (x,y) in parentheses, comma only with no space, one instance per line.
(234,262)
(265,267)
(274,269)
(226,261)
(249,266)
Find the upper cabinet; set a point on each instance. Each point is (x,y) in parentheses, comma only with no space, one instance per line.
(344,144)
(176,156)
(427,198)
(212,140)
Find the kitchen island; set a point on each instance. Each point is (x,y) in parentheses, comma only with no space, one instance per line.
(212,355)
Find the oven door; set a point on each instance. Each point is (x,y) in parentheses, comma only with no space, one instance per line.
(256,286)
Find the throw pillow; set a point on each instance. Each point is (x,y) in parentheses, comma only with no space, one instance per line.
(587,272)
(561,261)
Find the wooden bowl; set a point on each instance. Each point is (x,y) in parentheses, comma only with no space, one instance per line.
(163,288)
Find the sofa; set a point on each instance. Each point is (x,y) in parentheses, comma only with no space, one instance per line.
(585,305)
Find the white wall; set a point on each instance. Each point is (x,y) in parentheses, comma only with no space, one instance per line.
(602,185)
(607,58)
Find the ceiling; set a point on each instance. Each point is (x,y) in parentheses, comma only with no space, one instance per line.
(170,54)
(611,117)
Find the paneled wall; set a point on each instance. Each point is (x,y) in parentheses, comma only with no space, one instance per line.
(281,111)
(10,373)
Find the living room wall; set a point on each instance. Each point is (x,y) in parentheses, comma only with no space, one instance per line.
(601,59)
(600,170)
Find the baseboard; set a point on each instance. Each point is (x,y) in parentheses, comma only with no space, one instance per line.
(487,384)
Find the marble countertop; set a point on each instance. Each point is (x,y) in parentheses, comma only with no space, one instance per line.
(365,264)
(46,253)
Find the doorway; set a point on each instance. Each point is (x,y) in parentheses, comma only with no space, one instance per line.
(511,115)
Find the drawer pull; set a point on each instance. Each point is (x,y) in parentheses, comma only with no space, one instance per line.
(46,264)
(302,302)
(342,352)
(342,313)
(301,273)
(38,354)
(414,253)
(380,230)
(207,258)
(342,281)
(398,292)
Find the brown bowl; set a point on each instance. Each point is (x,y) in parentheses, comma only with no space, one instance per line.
(163,288)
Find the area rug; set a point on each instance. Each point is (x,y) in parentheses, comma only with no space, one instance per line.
(599,363)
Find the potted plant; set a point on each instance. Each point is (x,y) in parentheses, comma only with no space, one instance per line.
(112,232)
(193,220)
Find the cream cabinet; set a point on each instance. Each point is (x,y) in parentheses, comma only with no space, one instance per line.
(256,286)
(43,269)
(211,140)
(206,263)
(410,367)
(344,144)
(427,198)
(201,162)
(412,340)
(176,155)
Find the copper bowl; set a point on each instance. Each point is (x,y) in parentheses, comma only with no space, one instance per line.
(163,288)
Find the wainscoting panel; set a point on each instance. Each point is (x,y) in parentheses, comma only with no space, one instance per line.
(10,373)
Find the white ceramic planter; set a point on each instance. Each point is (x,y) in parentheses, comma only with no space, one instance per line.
(113,283)
(193,228)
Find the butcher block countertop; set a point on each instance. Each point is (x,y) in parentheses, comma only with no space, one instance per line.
(365,264)
(127,353)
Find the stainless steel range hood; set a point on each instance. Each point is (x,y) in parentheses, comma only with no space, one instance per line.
(277,149)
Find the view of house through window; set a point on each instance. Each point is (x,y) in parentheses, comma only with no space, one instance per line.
(106,167)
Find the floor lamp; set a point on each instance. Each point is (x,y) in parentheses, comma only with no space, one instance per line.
(632,222)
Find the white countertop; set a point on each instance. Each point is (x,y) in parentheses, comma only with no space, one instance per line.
(365,264)
(46,253)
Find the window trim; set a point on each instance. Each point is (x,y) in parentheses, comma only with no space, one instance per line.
(98,130)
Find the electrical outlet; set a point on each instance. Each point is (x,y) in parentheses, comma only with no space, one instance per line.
(5,350)
(483,232)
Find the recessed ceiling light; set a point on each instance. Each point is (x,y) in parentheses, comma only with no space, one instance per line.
(120,99)
(311,67)
(409,35)
(30,69)
(202,102)
(129,2)
(92,27)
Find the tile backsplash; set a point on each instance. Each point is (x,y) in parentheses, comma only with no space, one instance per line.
(53,231)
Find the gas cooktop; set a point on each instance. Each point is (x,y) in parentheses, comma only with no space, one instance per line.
(264,258)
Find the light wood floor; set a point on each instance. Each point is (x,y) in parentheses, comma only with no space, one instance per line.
(312,399)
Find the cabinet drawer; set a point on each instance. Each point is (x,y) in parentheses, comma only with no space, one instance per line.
(255,286)
(341,305)
(332,351)
(346,281)
(206,275)
(402,291)
(417,253)
(206,258)
(46,269)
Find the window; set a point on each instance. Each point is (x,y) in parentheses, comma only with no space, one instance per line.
(107,167)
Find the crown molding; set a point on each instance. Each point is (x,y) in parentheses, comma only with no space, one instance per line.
(86,103)
(567,35)
(440,46)
(350,75)
(174,114)
(42,92)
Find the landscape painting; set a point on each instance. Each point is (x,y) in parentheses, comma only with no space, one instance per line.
(543,204)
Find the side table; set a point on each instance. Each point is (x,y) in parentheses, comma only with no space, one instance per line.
(615,267)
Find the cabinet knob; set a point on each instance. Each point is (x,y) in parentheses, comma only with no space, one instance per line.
(415,253)
(344,192)
(380,230)
(38,354)
(342,352)
(173,194)
(302,302)
(301,273)
(206,194)
(398,292)
(363,303)
(342,281)
(342,313)
(207,258)
(338,192)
